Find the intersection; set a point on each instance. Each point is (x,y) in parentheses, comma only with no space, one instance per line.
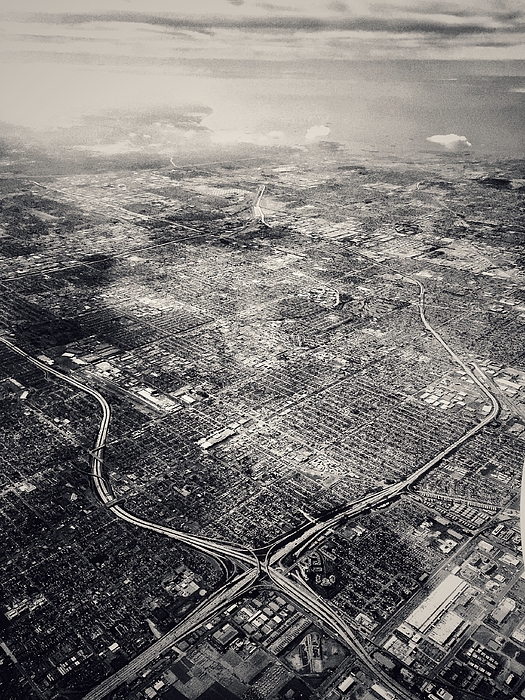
(252,566)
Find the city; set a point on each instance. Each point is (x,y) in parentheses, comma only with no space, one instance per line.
(263,430)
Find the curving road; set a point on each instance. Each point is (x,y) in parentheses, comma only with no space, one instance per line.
(308,536)
(211,547)
(267,558)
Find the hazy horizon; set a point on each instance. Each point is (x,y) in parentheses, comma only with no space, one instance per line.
(363,74)
(387,106)
(122,76)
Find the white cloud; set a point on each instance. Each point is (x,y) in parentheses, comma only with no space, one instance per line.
(450,141)
(316,132)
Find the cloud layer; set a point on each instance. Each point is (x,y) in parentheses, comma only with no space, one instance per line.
(443,25)
(280,29)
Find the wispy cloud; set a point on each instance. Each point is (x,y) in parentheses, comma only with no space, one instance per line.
(303,23)
(271,7)
(278,29)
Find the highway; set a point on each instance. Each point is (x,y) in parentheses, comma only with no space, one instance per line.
(305,598)
(256,208)
(268,559)
(213,605)
(307,537)
(195,233)
(213,548)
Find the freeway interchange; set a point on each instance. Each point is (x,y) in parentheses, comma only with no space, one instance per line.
(251,566)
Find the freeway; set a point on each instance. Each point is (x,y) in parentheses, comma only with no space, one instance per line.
(267,558)
(256,208)
(213,548)
(307,536)
(305,598)
(195,233)
(213,605)
(508,402)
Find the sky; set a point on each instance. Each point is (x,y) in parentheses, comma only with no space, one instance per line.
(62,59)
(154,30)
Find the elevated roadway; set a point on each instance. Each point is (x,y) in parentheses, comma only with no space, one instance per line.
(307,536)
(306,599)
(267,559)
(256,208)
(211,547)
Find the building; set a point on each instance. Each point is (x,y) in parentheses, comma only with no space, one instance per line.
(428,613)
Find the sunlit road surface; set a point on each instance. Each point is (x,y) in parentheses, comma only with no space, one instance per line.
(268,560)
(213,605)
(306,598)
(257,211)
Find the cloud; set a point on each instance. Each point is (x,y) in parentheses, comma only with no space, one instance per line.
(493,43)
(297,23)
(452,142)
(111,149)
(452,9)
(270,7)
(315,132)
(267,28)
(430,8)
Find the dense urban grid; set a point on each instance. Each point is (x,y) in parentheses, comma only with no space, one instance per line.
(262,429)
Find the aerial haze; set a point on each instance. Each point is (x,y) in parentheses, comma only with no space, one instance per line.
(385,76)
